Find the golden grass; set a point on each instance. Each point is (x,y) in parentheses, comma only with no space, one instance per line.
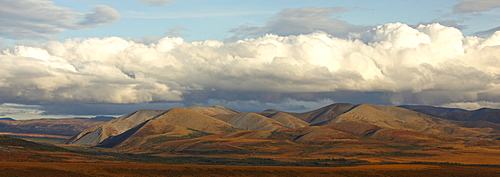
(8,169)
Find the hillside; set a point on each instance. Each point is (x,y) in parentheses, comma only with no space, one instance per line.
(142,124)
(212,111)
(363,131)
(19,150)
(251,121)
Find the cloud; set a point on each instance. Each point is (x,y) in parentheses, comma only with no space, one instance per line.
(33,74)
(39,19)
(487,33)
(290,105)
(157,2)
(176,31)
(7,109)
(473,105)
(103,108)
(101,15)
(449,23)
(475,6)
(390,64)
(303,20)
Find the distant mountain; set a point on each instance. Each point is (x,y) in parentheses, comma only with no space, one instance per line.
(384,117)
(8,119)
(483,114)
(67,127)
(98,118)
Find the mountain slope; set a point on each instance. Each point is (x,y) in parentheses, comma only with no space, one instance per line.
(324,114)
(212,111)
(142,124)
(97,134)
(251,121)
(337,130)
(390,117)
(286,119)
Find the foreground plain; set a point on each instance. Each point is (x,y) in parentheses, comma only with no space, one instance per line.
(43,169)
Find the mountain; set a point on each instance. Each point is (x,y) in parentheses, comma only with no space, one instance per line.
(212,111)
(144,123)
(66,127)
(286,119)
(8,119)
(371,132)
(324,114)
(99,118)
(483,114)
(97,134)
(251,121)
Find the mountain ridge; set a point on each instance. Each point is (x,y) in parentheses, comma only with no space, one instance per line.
(337,130)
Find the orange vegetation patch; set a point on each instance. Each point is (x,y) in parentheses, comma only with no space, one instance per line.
(34,135)
(142,169)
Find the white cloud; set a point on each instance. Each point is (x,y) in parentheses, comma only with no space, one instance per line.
(39,19)
(475,6)
(157,2)
(430,64)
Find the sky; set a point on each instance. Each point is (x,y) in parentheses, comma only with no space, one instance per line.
(66,58)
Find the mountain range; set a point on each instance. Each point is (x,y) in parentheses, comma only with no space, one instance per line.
(64,127)
(483,114)
(365,131)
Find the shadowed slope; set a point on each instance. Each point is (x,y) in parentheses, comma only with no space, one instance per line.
(154,124)
(97,134)
(286,119)
(324,114)
(194,120)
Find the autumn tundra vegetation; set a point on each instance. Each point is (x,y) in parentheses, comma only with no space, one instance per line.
(337,140)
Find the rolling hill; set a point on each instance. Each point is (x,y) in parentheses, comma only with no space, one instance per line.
(144,123)
(370,132)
